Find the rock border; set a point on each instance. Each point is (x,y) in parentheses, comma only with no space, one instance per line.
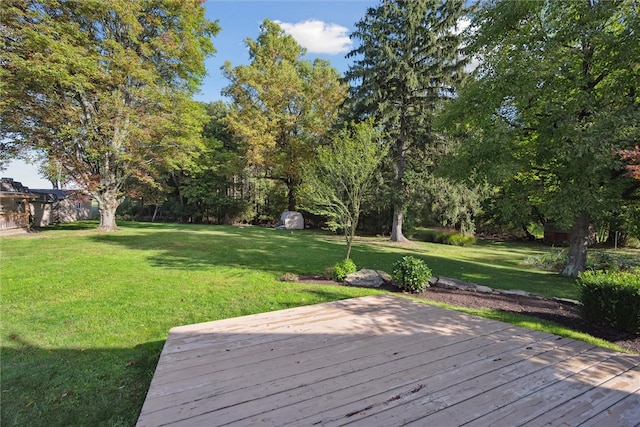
(449,283)
(368,278)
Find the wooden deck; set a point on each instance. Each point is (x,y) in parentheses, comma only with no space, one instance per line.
(385,361)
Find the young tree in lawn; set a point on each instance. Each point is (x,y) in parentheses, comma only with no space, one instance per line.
(340,177)
(282,105)
(104,87)
(407,63)
(555,100)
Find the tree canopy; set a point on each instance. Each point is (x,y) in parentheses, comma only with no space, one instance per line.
(341,175)
(104,88)
(555,99)
(407,62)
(282,105)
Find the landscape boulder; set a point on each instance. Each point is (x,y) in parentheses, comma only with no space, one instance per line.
(366,278)
(290,220)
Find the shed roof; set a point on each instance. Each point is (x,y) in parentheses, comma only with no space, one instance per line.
(11,188)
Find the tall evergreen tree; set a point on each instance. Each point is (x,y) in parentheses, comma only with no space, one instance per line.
(407,63)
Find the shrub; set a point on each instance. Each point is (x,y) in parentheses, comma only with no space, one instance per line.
(633,242)
(554,260)
(447,238)
(612,261)
(456,239)
(411,274)
(612,298)
(343,268)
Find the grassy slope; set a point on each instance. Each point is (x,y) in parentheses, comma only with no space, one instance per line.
(85,314)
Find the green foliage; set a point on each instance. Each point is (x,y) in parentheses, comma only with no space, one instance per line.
(411,274)
(406,65)
(282,105)
(343,268)
(456,239)
(633,243)
(105,88)
(446,237)
(553,260)
(611,261)
(607,261)
(214,189)
(339,179)
(543,125)
(612,299)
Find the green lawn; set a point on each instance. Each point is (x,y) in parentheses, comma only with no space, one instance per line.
(85,314)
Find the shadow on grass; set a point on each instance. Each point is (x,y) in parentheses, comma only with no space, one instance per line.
(196,247)
(58,387)
(92,386)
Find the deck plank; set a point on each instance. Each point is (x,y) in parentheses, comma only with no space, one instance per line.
(593,402)
(383,360)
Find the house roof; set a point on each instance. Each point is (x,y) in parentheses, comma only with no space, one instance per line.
(50,195)
(11,188)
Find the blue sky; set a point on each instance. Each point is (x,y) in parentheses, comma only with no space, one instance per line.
(321,26)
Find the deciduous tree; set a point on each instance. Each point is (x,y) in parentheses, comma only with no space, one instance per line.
(632,159)
(104,87)
(555,100)
(216,187)
(282,105)
(341,175)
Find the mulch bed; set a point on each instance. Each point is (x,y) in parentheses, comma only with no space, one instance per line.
(562,313)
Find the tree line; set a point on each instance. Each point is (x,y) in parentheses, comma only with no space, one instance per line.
(503,113)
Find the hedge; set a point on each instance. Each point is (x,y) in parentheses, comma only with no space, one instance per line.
(611,298)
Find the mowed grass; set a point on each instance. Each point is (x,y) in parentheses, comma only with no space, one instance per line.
(85,314)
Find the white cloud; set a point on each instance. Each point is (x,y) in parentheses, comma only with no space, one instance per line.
(462,24)
(318,36)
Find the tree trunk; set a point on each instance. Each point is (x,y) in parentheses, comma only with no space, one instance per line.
(350,232)
(349,245)
(398,204)
(578,242)
(292,194)
(107,204)
(396,227)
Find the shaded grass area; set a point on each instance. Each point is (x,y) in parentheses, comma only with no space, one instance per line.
(85,314)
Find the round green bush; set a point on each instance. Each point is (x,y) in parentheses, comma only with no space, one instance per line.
(343,268)
(411,274)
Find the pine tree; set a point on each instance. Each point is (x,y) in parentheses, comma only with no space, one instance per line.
(408,62)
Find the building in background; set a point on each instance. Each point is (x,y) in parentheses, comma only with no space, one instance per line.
(14,205)
(56,206)
(22,208)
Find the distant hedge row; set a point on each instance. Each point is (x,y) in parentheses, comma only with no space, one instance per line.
(446,238)
(612,298)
